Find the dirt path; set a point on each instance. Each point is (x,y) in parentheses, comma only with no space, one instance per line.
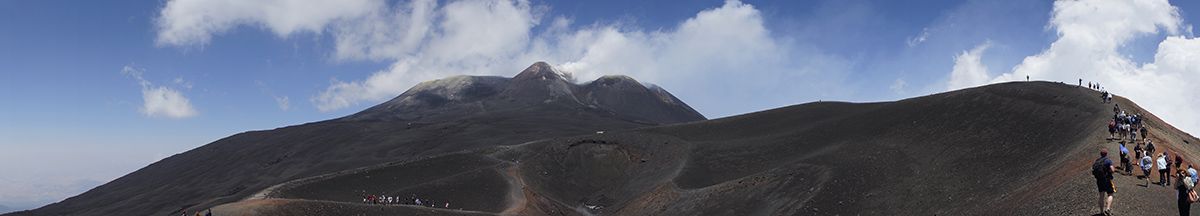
(516,191)
(1077,194)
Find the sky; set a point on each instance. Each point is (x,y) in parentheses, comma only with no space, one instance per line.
(93,90)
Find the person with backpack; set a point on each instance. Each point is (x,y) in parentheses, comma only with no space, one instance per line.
(1146,163)
(1137,152)
(1186,195)
(1145,134)
(1125,159)
(1133,134)
(1112,129)
(1103,170)
(1149,148)
(1192,173)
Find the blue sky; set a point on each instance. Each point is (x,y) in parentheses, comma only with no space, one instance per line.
(92,90)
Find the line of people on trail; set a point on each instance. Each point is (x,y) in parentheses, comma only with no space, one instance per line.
(395,200)
(1103,170)
(1147,159)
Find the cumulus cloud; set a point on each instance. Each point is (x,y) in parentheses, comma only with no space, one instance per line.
(1090,35)
(160,101)
(195,22)
(426,40)
(969,70)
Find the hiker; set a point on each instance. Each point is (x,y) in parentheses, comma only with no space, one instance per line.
(1146,163)
(1170,173)
(1137,151)
(1145,134)
(209,213)
(1149,148)
(1162,170)
(1103,170)
(1185,196)
(1133,136)
(1178,162)
(1192,172)
(1125,131)
(1125,159)
(1112,129)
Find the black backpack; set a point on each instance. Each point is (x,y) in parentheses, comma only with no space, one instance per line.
(1099,170)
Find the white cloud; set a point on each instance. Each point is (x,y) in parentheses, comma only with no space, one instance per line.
(283,102)
(900,86)
(920,38)
(969,70)
(430,41)
(1091,34)
(160,101)
(386,33)
(195,22)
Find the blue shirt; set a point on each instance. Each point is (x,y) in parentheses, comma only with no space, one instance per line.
(1124,150)
(1192,172)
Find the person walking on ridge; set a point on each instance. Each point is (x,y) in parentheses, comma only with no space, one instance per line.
(1146,163)
(1162,170)
(1125,159)
(1103,170)
(1185,196)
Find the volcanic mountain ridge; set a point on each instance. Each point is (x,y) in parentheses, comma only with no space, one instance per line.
(433,118)
(1021,148)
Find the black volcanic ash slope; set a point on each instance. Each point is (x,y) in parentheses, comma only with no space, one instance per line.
(432,118)
(1012,148)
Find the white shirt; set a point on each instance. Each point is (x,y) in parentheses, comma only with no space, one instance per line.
(1162,163)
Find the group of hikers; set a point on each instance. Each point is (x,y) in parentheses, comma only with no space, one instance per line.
(1185,180)
(1147,159)
(1105,97)
(1125,126)
(411,200)
(1093,85)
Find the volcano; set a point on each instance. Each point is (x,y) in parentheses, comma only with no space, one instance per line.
(433,118)
(538,144)
(1021,148)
